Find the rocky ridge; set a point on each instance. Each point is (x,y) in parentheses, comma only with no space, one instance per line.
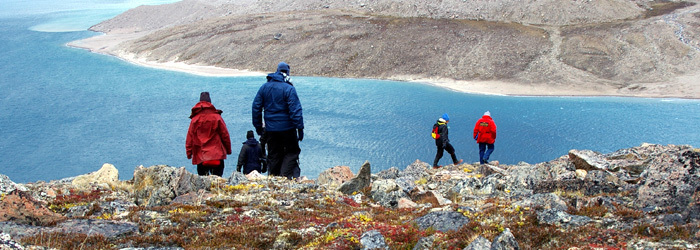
(637,198)
(611,47)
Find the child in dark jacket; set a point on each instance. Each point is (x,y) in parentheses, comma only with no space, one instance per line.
(252,157)
(442,141)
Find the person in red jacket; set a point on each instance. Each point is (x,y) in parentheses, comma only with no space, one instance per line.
(485,135)
(208,141)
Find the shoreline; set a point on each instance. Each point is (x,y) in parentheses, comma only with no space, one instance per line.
(106,44)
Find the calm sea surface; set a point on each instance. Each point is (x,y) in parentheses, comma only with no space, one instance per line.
(66,111)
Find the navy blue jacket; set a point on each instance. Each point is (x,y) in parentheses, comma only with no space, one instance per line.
(250,157)
(279,100)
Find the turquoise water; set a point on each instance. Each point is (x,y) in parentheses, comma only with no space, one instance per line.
(65,111)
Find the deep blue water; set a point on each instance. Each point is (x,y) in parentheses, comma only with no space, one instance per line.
(66,111)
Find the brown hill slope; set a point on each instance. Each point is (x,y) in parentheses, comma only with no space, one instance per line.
(638,48)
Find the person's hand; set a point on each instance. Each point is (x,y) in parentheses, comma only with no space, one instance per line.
(300,134)
(259,130)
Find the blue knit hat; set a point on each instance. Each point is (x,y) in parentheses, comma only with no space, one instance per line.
(445,117)
(283,67)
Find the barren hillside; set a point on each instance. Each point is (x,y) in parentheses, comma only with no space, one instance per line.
(619,47)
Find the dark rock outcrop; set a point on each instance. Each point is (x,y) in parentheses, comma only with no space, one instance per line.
(359,182)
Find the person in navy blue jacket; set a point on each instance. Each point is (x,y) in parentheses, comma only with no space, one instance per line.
(284,123)
(252,156)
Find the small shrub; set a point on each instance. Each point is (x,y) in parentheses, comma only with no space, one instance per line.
(593,210)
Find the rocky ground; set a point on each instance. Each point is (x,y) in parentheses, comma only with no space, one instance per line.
(646,197)
(608,47)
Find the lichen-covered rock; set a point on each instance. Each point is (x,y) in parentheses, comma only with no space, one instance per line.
(543,201)
(236,178)
(387,193)
(561,218)
(19,207)
(322,217)
(480,243)
(107,228)
(425,243)
(589,160)
(442,221)
(600,181)
(159,185)
(335,176)
(6,242)
(505,241)
(416,170)
(672,180)
(372,240)
(391,173)
(7,185)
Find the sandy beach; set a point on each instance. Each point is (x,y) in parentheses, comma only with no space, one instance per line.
(681,87)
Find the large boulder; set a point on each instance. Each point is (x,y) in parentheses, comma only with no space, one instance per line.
(671,181)
(236,178)
(561,218)
(372,240)
(601,181)
(442,221)
(387,193)
(335,176)
(106,228)
(7,185)
(543,201)
(20,207)
(416,170)
(505,241)
(106,175)
(480,243)
(359,182)
(465,188)
(426,243)
(391,173)
(589,160)
(159,185)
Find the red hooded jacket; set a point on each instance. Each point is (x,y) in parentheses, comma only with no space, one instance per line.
(207,137)
(485,130)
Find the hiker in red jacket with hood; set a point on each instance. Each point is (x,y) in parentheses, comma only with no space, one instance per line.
(208,141)
(485,135)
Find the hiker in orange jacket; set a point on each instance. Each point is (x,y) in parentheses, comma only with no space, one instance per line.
(485,135)
(208,141)
(442,141)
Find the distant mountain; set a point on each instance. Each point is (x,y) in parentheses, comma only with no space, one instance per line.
(636,48)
